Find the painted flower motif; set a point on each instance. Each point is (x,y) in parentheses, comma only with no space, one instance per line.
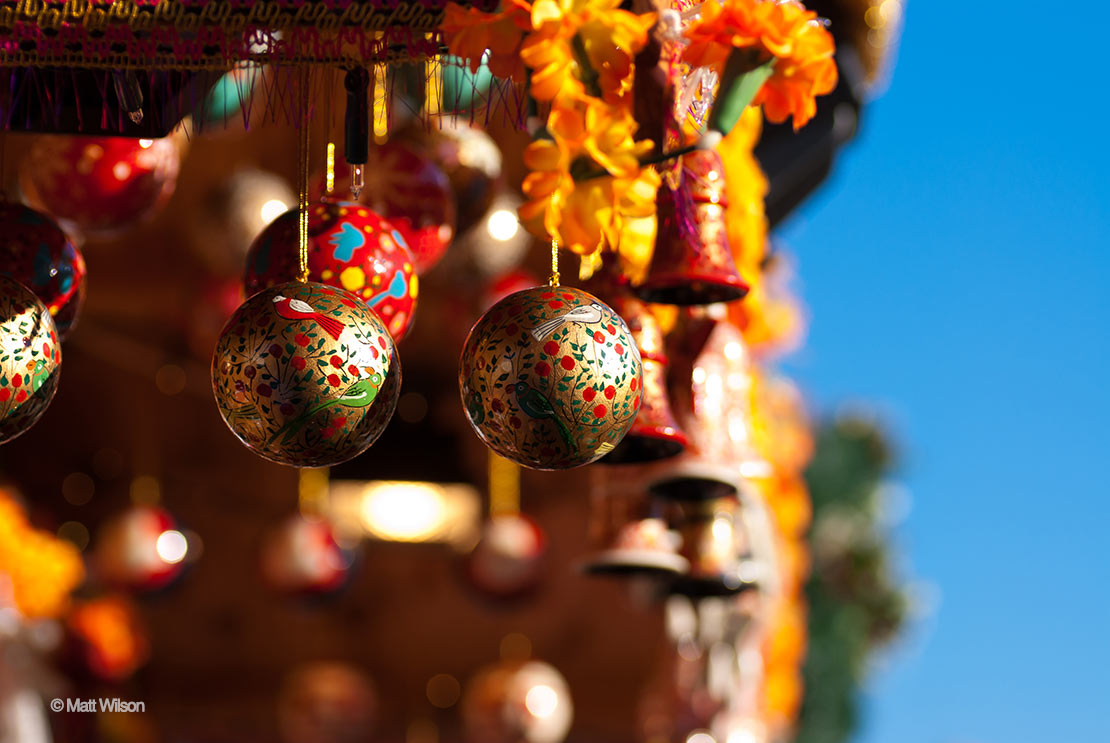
(779,30)
(551,348)
(333,380)
(567,363)
(297,362)
(543,368)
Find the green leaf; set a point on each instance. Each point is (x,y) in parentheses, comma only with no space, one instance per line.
(739,84)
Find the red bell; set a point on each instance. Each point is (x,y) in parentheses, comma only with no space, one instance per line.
(692,261)
(655,434)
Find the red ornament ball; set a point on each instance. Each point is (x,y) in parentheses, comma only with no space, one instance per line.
(349,247)
(406,187)
(30,359)
(102,185)
(36,252)
(306,375)
(551,378)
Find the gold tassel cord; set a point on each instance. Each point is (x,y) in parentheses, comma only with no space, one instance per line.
(504,486)
(302,181)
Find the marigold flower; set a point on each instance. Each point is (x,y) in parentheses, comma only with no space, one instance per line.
(469,33)
(779,30)
(583,45)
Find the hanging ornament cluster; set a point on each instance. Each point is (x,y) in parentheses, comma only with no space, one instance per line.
(306,375)
(30,359)
(551,378)
(37,253)
(102,185)
(350,247)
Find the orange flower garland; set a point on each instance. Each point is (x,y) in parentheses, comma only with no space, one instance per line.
(469,33)
(784,32)
(41,570)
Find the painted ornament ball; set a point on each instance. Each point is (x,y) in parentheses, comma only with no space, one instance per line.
(349,247)
(551,378)
(306,375)
(36,252)
(30,359)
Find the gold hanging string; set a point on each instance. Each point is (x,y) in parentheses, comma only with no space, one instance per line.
(433,72)
(554,280)
(329,182)
(312,492)
(381,112)
(504,486)
(302,180)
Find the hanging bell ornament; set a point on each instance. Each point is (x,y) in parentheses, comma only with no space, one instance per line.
(551,378)
(715,545)
(629,536)
(36,252)
(30,359)
(654,434)
(306,375)
(692,261)
(349,247)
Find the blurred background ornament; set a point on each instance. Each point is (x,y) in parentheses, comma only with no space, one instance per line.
(30,359)
(551,378)
(507,560)
(326,702)
(101,185)
(37,253)
(471,160)
(233,214)
(712,386)
(404,186)
(302,557)
(692,262)
(515,702)
(349,247)
(627,534)
(38,570)
(141,549)
(715,544)
(306,375)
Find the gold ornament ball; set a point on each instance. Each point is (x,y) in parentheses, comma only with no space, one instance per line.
(306,375)
(551,378)
(30,359)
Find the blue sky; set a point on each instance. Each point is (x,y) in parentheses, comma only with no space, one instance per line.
(957,268)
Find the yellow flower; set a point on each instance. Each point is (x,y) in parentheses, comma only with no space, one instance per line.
(587,180)
(469,33)
(581,46)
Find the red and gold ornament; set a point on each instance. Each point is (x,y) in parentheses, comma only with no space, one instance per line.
(305,374)
(349,247)
(36,252)
(100,184)
(507,560)
(302,557)
(133,550)
(30,359)
(551,378)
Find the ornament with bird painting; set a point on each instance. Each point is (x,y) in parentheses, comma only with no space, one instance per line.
(551,378)
(305,374)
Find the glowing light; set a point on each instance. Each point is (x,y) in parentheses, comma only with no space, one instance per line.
(700,737)
(171,546)
(733,351)
(503,225)
(403,511)
(122,171)
(146,144)
(699,375)
(272,209)
(541,701)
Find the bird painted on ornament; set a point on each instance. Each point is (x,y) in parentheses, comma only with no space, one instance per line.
(476,409)
(536,405)
(39,375)
(581,314)
(361,394)
(296,309)
(398,287)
